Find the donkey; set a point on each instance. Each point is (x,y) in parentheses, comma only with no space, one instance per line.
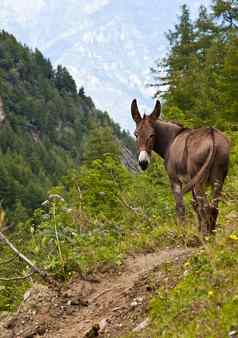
(193,158)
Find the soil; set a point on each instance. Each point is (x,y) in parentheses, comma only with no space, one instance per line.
(111,305)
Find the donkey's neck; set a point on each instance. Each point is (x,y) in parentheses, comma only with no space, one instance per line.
(165,135)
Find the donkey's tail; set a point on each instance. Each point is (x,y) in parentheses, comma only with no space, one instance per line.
(203,173)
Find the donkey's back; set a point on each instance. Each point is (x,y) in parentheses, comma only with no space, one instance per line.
(198,157)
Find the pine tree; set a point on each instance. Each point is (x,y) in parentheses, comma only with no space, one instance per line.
(64,81)
(205,31)
(81,92)
(228,11)
(176,67)
(227,82)
(181,42)
(99,143)
(200,71)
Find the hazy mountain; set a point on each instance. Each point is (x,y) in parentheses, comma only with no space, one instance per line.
(108,45)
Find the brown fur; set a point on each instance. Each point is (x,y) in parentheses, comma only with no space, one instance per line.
(194,158)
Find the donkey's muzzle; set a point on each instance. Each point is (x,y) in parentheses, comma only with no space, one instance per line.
(144,159)
(143,164)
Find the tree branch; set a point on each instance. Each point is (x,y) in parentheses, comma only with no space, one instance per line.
(44,275)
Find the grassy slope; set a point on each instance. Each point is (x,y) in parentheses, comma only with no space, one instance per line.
(200,297)
(197,299)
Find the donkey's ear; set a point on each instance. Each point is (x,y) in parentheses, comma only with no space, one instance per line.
(135,112)
(156,112)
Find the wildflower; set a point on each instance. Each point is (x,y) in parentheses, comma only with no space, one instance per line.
(187,264)
(235,298)
(45,203)
(101,193)
(210,293)
(67,210)
(45,217)
(233,237)
(56,197)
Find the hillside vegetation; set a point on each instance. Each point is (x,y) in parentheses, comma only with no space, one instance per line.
(101,212)
(46,126)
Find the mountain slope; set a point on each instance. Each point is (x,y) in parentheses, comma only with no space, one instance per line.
(44,125)
(108,46)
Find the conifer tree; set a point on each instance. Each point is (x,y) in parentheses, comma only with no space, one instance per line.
(228,11)
(205,30)
(176,67)
(200,73)
(99,143)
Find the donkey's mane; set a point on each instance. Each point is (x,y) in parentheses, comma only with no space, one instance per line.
(178,124)
(173,122)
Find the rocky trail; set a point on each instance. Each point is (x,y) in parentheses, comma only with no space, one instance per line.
(111,305)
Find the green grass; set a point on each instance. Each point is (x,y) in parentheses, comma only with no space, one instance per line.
(85,230)
(204,301)
(199,297)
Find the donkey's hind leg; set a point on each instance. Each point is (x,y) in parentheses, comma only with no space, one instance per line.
(217,178)
(216,195)
(195,205)
(216,192)
(202,209)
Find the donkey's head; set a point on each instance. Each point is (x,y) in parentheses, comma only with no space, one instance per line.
(145,132)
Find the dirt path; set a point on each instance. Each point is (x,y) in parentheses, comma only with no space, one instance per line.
(110,307)
(112,300)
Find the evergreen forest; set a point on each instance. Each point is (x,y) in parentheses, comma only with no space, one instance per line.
(71,204)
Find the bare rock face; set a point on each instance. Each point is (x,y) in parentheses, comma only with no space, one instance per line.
(2,113)
(128,158)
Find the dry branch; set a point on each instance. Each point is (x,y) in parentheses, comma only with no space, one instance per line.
(35,269)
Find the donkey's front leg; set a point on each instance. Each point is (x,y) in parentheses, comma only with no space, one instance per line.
(178,196)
